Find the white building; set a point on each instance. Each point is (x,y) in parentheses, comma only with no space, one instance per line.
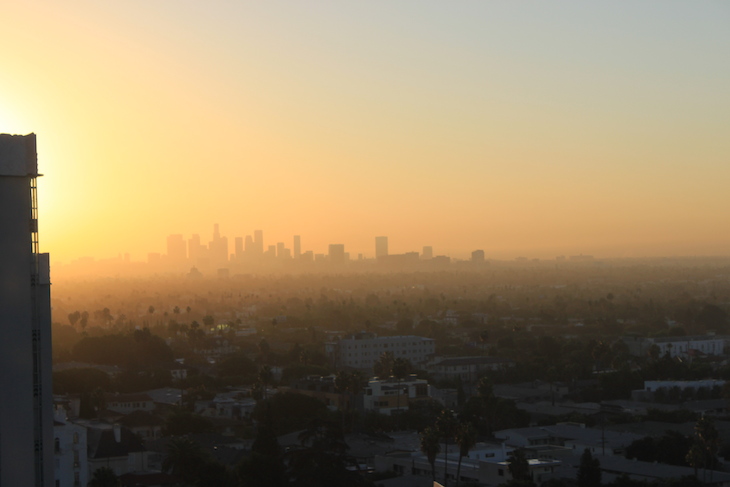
(26,411)
(361,351)
(387,395)
(468,369)
(486,464)
(70,463)
(682,346)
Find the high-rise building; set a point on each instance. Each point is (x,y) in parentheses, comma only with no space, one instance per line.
(427,252)
(381,247)
(297,246)
(477,256)
(26,409)
(258,240)
(336,253)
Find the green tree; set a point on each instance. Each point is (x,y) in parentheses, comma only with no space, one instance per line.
(431,446)
(466,438)
(589,470)
(447,426)
(519,467)
(184,458)
(104,477)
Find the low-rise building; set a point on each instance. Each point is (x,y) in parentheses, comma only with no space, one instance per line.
(468,369)
(388,395)
(362,350)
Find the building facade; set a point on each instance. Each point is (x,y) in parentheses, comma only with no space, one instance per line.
(26,411)
(362,350)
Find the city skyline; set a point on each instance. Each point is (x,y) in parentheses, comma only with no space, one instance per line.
(536,131)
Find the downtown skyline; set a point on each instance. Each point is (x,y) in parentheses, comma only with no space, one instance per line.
(525,130)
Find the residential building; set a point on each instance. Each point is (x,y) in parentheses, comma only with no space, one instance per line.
(70,462)
(362,350)
(26,411)
(390,395)
(468,369)
(680,346)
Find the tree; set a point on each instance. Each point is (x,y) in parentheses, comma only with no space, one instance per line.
(400,369)
(104,477)
(446,426)
(589,471)
(322,459)
(466,438)
(431,446)
(185,458)
(519,467)
(707,444)
(266,465)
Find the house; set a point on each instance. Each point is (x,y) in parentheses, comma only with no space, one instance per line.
(128,403)
(115,447)
(570,435)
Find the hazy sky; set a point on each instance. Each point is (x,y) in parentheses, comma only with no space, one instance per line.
(521,128)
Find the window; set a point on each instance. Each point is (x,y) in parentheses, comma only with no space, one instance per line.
(76,438)
(500,472)
(57,445)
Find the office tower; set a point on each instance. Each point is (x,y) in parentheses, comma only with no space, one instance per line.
(218,247)
(195,249)
(427,252)
(297,246)
(176,249)
(26,409)
(280,250)
(337,253)
(248,246)
(381,247)
(477,256)
(258,240)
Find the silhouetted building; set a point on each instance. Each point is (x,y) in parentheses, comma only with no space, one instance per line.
(477,256)
(337,253)
(381,247)
(297,246)
(427,252)
(258,241)
(26,410)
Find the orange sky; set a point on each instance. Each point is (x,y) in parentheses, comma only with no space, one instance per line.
(521,129)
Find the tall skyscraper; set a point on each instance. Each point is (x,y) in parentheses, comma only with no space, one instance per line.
(297,246)
(26,409)
(381,247)
(258,240)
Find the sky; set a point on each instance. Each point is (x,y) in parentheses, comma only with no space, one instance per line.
(530,129)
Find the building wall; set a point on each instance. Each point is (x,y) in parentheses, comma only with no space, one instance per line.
(362,353)
(26,415)
(70,455)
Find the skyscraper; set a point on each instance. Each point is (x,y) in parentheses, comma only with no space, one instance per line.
(297,246)
(26,409)
(381,247)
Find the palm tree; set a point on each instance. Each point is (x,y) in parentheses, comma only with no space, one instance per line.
(104,477)
(399,370)
(184,458)
(446,426)
(431,446)
(466,438)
